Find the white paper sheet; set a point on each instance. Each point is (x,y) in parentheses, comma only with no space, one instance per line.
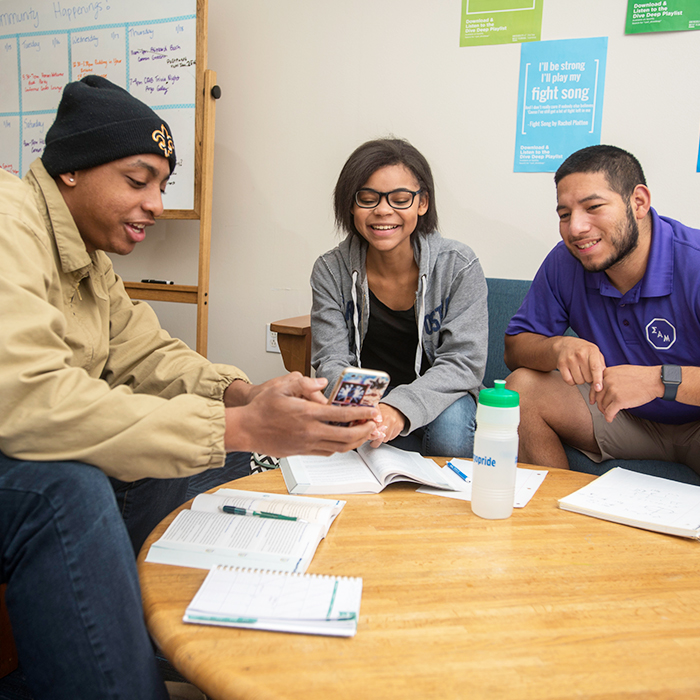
(527,481)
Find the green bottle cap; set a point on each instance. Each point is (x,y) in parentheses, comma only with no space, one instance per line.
(499,396)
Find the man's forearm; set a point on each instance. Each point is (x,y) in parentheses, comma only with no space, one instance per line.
(531,350)
(629,386)
(689,388)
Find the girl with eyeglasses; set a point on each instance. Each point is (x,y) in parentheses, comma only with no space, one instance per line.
(396,296)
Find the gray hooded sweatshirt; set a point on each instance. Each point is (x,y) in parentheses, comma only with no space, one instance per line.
(451,315)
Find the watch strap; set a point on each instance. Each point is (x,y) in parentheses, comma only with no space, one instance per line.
(671,378)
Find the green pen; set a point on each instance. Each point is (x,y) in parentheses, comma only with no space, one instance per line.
(236,510)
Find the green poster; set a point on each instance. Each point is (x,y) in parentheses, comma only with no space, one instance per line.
(500,22)
(662,16)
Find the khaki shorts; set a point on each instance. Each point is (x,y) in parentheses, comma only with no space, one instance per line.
(629,437)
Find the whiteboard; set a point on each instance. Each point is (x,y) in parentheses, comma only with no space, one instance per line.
(149,48)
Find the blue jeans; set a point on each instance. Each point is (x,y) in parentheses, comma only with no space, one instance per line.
(72,589)
(451,434)
(144,503)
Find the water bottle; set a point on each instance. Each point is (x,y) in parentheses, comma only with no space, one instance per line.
(495,452)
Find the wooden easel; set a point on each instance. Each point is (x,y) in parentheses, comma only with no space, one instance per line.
(205,116)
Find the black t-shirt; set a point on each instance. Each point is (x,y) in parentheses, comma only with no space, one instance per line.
(391,342)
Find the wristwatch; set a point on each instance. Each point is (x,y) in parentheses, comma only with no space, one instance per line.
(671,378)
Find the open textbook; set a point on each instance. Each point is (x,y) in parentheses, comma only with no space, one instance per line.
(282,602)
(282,537)
(640,500)
(369,470)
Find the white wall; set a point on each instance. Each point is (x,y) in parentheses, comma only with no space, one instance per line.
(305,82)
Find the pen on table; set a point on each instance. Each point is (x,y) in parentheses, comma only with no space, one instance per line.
(158,281)
(460,474)
(235,510)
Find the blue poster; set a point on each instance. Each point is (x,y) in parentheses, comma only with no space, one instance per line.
(560,101)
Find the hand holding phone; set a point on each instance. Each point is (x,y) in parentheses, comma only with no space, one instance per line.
(359,387)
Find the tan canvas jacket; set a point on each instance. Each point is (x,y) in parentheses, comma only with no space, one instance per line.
(85,373)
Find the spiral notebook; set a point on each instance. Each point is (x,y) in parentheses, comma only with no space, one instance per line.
(278,601)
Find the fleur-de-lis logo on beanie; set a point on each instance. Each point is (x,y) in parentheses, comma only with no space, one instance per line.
(164,140)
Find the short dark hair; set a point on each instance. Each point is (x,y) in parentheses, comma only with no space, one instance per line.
(367,159)
(621,169)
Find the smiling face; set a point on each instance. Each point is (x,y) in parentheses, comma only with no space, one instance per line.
(384,228)
(113,203)
(599,228)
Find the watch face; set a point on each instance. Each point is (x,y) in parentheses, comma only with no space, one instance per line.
(671,374)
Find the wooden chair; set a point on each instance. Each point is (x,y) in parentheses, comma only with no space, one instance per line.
(8,651)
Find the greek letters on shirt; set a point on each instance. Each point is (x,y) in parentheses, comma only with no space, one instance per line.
(661,333)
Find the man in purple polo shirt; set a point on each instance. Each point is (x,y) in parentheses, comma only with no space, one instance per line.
(625,280)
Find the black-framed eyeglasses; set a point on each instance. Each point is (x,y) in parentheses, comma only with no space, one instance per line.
(367,198)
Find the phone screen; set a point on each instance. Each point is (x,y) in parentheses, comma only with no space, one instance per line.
(359,387)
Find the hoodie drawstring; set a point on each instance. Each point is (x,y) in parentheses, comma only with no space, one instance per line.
(421,314)
(356,317)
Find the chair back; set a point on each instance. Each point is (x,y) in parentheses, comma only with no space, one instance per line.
(505,297)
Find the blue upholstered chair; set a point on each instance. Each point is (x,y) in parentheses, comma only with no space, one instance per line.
(505,297)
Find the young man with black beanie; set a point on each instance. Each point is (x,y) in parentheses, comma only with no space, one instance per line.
(93,388)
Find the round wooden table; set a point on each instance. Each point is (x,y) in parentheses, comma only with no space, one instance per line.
(546,604)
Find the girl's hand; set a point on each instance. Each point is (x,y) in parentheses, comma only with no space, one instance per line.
(393,422)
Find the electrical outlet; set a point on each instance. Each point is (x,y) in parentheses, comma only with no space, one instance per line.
(271,340)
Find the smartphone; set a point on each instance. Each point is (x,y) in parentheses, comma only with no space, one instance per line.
(359,387)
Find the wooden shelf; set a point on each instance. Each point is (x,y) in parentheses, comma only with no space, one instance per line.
(181,293)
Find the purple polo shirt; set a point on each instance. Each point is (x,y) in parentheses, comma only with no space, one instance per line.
(657,322)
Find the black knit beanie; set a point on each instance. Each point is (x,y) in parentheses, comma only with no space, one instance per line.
(98,122)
